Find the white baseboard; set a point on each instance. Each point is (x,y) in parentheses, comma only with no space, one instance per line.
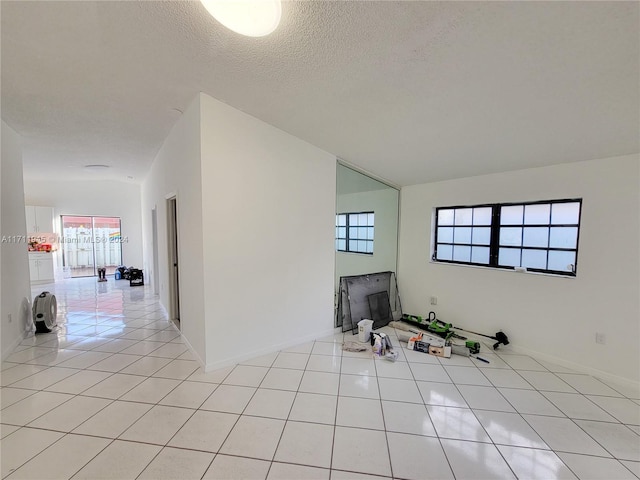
(270,349)
(184,339)
(594,372)
(191,349)
(511,348)
(164,310)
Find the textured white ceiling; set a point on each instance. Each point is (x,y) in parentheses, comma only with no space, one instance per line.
(411,91)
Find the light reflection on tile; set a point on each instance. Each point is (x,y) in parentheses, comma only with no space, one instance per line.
(116,368)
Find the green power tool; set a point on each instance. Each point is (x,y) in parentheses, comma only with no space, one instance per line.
(474,347)
(430,324)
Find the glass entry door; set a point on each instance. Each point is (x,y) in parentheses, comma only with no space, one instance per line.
(89,243)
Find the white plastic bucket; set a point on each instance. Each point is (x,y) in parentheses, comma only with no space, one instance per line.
(364,330)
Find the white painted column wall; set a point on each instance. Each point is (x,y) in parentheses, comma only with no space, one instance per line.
(14,269)
(268,224)
(176,171)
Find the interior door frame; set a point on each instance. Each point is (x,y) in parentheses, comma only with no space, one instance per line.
(154,238)
(173,242)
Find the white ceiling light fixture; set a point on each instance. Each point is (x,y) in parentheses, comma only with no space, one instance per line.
(253,18)
(96,168)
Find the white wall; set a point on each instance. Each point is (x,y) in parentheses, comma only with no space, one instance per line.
(14,260)
(176,171)
(555,317)
(268,226)
(384,203)
(94,197)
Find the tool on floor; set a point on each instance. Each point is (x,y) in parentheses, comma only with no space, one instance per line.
(432,325)
(404,332)
(466,352)
(418,344)
(500,336)
(460,350)
(474,347)
(480,358)
(445,330)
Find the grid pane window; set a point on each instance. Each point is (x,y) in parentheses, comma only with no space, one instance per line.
(461,253)
(534,258)
(511,215)
(537,214)
(481,235)
(509,257)
(480,255)
(461,232)
(539,236)
(482,216)
(445,252)
(535,237)
(354,232)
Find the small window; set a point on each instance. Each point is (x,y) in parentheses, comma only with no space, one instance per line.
(354,232)
(538,236)
(463,235)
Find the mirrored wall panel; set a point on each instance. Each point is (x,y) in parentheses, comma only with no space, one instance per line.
(366,238)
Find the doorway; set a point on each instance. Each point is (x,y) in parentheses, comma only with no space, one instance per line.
(90,242)
(154,233)
(174,283)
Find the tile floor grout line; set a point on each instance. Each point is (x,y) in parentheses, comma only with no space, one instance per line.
(241,413)
(92,458)
(162,447)
(444,452)
(215,455)
(521,416)
(182,381)
(286,421)
(111,401)
(593,438)
(515,409)
(65,434)
(50,410)
(146,403)
(384,424)
(335,415)
(588,400)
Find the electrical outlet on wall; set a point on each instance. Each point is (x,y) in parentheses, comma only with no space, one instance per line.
(601,338)
(433,300)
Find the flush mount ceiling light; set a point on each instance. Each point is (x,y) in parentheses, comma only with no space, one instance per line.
(253,18)
(96,168)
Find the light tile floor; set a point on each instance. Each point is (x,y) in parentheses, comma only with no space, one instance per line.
(115,393)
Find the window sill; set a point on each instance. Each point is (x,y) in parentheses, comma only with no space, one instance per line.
(492,269)
(356,253)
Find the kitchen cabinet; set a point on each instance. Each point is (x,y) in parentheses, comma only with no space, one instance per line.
(39,219)
(41,267)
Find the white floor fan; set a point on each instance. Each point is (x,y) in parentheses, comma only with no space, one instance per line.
(45,312)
